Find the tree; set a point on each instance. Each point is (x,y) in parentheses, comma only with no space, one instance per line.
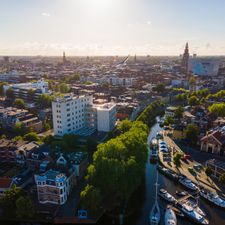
(24,208)
(222,178)
(168,121)
(191,132)
(218,109)
(159,88)
(208,171)
(193,101)
(19,103)
(91,144)
(47,126)
(8,201)
(10,93)
(179,112)
(124,126)
(17,138)
(18,128)
(45,100)
(64,88)
(91,198)
(177,159)
(32,136)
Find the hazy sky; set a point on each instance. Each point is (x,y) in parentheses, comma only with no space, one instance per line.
(111,27)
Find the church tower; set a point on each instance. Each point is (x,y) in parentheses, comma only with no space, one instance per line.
(185,59)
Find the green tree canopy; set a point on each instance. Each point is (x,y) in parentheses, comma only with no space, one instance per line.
(159,88)
(24,208)
(192,131)
(8,201)
(32,136)
(19,103)
(218,109)
(168,121)
(193,101)
(179,112)
(177,159)
(91,198)
(45,100)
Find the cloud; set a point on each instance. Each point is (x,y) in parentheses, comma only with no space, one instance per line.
(46,14)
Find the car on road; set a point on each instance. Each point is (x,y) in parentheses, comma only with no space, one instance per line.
(186,157)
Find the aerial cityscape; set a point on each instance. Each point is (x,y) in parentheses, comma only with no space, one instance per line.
(112,112)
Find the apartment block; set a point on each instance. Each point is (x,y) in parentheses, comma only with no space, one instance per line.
(78,115)
(54,187)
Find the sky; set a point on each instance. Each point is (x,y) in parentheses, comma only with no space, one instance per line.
(111,27)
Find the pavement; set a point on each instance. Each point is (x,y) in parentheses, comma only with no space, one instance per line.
(200,178)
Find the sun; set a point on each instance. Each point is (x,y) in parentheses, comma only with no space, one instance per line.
(100,3)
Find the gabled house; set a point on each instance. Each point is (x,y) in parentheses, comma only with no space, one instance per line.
(214,142)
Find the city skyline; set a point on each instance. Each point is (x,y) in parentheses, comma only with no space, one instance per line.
(111,27)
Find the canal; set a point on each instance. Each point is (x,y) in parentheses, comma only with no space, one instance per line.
(143,199)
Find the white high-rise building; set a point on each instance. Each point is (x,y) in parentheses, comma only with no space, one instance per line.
(77,115)
(73,115)
(106,117)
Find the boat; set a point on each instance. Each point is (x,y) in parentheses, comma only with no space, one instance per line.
(170,216)
(191,202)
(177,211)
(188,184)
(213,198)
(181,193)
(159,135)
(153,156)
(169,173)
(154,217)
(166,196)
(192,214)
(154,143)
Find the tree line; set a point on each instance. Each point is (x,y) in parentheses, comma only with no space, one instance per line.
(119,164)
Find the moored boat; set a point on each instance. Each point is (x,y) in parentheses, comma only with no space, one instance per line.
(155,215)
(167,172)
(166,196)
(181,193)
(188,184)
(170,216)
(213,198)
(192,214)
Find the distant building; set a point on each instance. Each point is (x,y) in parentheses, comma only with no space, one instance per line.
(23,90)
(64,57)
(185,59)
(54,187)
(10,116)
(204,66)
(78,115)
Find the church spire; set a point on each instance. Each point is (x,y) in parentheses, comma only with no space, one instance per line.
(185,59)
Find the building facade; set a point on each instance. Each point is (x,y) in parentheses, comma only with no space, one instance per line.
(78,115)
(54,187)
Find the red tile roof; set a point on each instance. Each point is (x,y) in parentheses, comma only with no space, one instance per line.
(5,182)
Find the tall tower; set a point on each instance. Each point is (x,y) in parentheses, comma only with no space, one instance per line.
(185,59)
(64,58)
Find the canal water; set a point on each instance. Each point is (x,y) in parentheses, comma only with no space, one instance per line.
(144,198)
